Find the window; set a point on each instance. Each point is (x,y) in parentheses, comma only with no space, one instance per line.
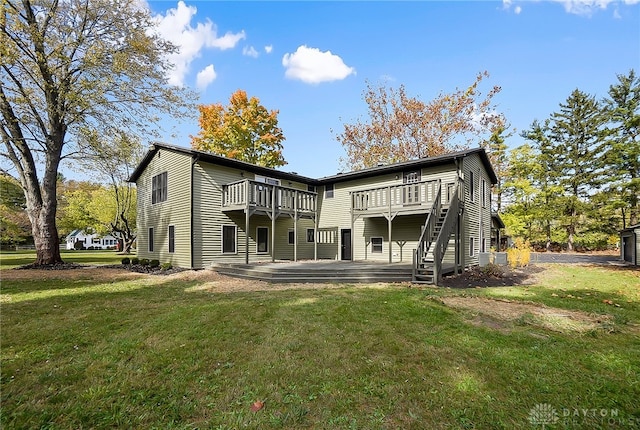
(450,189)
(172,238)
(472,187)
(472,251)
(376,245)
(484,193)
(159,188)
(411,177)
(95,240)
(229,239)
(328,191)
(292,237)
(262,242)
(151,239)
(311,188)
(311,233)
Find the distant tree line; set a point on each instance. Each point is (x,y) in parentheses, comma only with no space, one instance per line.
(575,182)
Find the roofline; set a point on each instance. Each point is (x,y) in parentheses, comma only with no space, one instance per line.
(421,162)
(217,159)
(340,177)
(630,228)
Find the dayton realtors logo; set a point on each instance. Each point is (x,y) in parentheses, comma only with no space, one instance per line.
(543,414)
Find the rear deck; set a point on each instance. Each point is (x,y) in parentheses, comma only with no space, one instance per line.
(322,271)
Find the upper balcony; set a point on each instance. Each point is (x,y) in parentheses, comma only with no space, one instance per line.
(255,196)
(401,199)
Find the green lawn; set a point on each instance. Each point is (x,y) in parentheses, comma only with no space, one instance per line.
(132,351)
(11,259)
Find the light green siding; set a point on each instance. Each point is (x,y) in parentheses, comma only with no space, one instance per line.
(176,210)
(209,218)
(477,218)
(335,216)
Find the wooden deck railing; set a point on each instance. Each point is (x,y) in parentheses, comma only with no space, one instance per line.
(426,238)
(261,196)
(395,197)
(442,241)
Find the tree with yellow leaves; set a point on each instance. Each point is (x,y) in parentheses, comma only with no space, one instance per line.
(244,130)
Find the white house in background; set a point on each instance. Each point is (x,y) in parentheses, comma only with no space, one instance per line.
(91,241)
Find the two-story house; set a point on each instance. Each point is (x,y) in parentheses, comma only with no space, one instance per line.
(196,209)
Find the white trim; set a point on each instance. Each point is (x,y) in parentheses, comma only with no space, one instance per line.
(235,229)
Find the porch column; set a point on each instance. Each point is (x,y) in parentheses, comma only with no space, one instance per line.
(295,228)
(390,222)
(273,224)
(247,215)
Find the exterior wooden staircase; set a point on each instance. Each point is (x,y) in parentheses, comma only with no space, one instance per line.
(432,245)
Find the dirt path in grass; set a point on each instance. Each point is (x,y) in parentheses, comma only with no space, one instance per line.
(499,314)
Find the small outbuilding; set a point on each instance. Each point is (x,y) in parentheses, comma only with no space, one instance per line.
(630,244)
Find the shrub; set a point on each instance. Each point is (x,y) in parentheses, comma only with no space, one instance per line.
(144,262)
(492,270)
(520,254)
(78,245)
(126,260)
(154,263)
(135,260)
(166,266)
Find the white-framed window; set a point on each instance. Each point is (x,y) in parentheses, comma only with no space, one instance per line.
(376,245)
(472,187)
(328,191)
(311,188)
(484,193)
(262,240)
(159,188)
(229,239)
(472,246)
(311,235)
(291,236)
(411,177)
(172,239)
(150,239)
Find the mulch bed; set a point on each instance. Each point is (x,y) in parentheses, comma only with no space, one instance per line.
(137,268)
(492,276)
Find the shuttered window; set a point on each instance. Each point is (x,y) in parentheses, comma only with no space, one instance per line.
(159,188)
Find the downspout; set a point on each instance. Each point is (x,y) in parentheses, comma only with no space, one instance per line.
(194,160)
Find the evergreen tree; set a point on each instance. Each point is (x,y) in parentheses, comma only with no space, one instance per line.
(622,155)
(577,133)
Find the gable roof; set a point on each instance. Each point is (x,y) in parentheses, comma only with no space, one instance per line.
(340,177)
(217,159)
(412,164)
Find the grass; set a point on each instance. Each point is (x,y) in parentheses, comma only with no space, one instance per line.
(164,352)
(11,259)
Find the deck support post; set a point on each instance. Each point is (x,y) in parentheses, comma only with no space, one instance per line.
(246,223)
(274,199)
(390,223)
(295,228)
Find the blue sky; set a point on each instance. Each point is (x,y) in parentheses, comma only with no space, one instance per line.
(311,60)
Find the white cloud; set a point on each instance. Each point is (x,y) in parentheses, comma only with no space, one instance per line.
(175,26)
(205,77)
(577,7)
(250,51)
(268,49)
(313,66)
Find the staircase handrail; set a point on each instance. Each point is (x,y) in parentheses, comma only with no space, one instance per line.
(427,231)
(442,241)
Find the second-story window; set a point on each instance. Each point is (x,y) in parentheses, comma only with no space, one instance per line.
(328,191)
(159,188)
(411,177)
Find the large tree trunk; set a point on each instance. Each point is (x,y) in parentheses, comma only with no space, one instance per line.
(41,208)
